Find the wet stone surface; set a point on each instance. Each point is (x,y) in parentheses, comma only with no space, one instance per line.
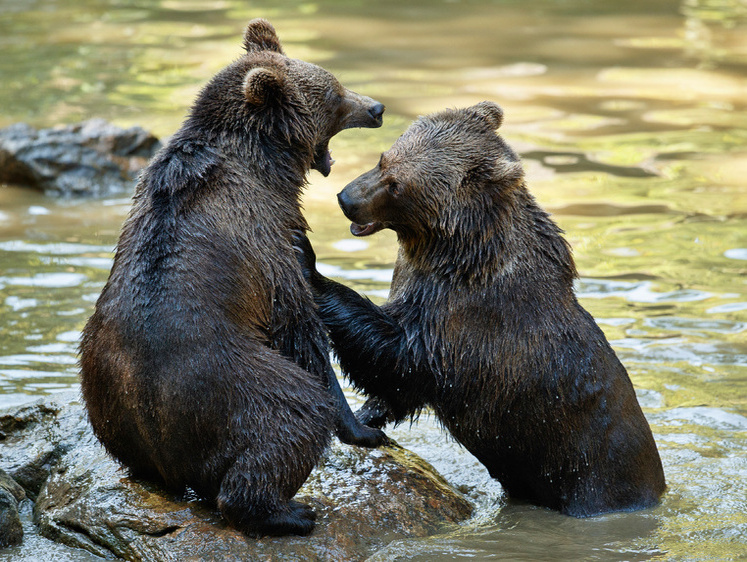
(11,493)
(364,499)
(89,158)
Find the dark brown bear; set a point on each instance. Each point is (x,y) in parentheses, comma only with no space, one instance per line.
(483,325)
(205,364)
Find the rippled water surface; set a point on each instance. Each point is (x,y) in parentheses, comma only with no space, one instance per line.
(631,118)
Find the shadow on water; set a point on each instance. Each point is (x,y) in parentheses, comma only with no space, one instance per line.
(632,123)
(569,162)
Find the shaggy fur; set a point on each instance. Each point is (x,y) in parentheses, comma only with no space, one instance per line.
(205,364)
(482,323)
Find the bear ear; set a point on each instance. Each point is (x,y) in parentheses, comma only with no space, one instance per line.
(490,111)
(508,172)
(262,84)
(261,36)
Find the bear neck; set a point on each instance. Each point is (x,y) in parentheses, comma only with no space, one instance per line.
(256,155)
(511,239)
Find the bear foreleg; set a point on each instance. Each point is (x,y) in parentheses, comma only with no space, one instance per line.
(304,341)
(370,344)
(350,429)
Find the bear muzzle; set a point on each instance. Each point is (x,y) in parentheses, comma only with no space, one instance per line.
(376,112)
(357,212)
(362,111)
(357,111)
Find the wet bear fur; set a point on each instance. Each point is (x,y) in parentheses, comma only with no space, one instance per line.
(204,364)
(483,326)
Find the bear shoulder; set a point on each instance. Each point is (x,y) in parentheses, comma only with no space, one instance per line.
(181,164)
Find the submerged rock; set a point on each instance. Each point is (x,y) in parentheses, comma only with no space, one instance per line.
(364,499)
(90,158)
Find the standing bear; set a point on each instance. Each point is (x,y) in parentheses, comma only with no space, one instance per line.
(205,364)
(483,326)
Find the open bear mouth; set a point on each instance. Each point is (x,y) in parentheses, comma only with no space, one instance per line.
(365,229)
(323,159)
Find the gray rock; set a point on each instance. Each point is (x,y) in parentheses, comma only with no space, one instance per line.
(11,530)
(13,488)
(37,435)
(90,158)
(364,499)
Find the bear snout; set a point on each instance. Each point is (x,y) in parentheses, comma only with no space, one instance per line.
(349,208)
(362,111)
(358,206)
(376,112)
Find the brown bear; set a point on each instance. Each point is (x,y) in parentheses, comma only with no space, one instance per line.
(205,364)
(482,324)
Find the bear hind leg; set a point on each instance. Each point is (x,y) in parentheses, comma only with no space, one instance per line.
(255,500)
(277,519)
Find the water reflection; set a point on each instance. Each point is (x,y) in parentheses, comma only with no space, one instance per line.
(632,123)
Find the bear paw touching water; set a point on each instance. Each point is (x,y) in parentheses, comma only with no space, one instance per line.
(483,326)
(205,364)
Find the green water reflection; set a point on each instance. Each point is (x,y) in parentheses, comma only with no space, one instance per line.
(632,122)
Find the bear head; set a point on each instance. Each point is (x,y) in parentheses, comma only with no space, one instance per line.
(296,103)
(442,176)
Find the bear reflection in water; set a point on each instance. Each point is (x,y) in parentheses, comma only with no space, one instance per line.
(483,325)
(205,363)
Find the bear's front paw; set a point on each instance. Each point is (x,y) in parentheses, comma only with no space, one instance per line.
(305,255)
(362,436)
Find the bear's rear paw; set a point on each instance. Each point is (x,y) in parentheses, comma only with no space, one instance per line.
(302,510)
(267,519)
(297,519)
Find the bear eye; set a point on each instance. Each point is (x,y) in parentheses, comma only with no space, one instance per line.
(333,97)
(394,188)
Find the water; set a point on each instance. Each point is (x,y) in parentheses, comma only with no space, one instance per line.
(632,122)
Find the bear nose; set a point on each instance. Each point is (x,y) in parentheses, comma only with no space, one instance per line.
(346,204)
(376,111)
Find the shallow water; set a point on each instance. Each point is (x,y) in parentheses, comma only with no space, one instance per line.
(631,119)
